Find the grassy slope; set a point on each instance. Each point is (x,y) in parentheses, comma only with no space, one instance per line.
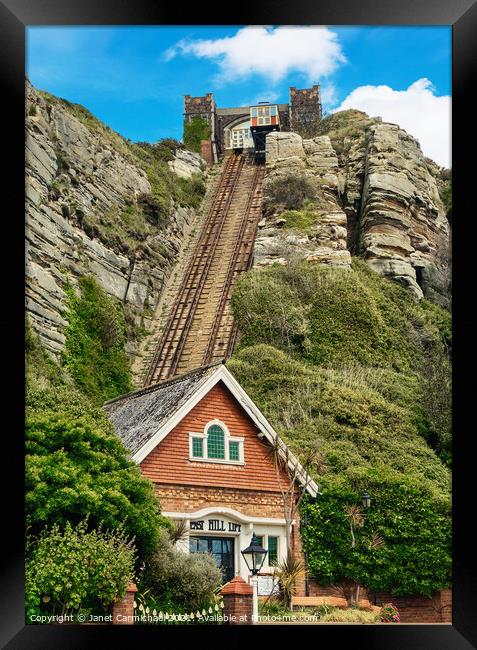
(334,359)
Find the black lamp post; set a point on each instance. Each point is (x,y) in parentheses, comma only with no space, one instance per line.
(366,500)
(254,556)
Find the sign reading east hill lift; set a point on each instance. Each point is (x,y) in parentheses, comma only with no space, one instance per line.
(215,525)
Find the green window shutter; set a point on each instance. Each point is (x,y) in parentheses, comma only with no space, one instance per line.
(215,442)
(234,451)
(197,447)
(272,550)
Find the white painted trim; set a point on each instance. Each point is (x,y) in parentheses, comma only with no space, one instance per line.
(222,374)
(230,512)
(218,461)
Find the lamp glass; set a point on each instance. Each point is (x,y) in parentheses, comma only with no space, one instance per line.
(366,499)
(254,555)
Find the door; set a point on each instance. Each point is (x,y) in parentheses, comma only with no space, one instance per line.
(221,549)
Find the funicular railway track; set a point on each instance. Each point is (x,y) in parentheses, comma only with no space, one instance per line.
(199,325)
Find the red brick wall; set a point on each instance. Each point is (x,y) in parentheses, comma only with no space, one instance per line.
(169,462)
(412,609)
(123,610)
(206,152)
(184,498)
(419,609)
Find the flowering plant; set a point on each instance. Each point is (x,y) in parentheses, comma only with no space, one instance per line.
(389,614)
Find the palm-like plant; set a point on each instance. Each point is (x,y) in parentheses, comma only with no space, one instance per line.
(356,520)
(178,531)
(286,573)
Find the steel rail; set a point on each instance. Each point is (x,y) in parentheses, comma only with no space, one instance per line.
(196,273)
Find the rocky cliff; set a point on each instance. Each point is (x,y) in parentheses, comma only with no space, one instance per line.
(96,204)
(373,193)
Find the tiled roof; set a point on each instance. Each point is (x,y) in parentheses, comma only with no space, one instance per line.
(139,415)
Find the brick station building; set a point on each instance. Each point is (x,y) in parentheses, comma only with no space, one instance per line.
(205,445)
(304,108)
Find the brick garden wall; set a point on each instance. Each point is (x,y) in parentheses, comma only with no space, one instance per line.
(412,609)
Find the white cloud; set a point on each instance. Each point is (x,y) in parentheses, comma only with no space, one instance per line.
(271,52)
(328,96)
(418,110)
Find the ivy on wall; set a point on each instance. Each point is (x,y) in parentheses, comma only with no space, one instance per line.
(194,132)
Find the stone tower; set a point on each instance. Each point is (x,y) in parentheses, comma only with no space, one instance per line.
(305,110)
(205,108)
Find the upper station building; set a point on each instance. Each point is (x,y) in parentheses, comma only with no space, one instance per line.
(230,128)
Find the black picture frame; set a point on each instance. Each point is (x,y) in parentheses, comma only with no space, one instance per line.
(15,15)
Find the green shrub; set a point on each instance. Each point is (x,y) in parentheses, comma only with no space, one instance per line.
(410,518)
(355,425)
(289,191)
(94,353)
(348,317)
(300,219)
(77,467)
(181,580)
(71,570)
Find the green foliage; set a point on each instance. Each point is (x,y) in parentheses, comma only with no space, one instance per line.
(162,150)
(94,352)
(345,364)
(412,521)
(194,132)
(40,367)
(301,220)
(389,614)
(357,419)
(334,316)
(343,127)
(77,467)
(181,581)
(290,191)
(73,570)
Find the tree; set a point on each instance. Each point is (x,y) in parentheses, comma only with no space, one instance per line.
(298,482)
(76,467)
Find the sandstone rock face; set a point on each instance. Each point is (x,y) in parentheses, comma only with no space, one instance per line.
(324,239)
(186,163)
(404,232)
(377,198)
(71,168)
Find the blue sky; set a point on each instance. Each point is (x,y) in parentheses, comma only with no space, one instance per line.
(134,78)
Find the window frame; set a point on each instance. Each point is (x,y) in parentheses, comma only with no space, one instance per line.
(227,439)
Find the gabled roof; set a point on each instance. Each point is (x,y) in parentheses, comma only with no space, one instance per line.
(143,418)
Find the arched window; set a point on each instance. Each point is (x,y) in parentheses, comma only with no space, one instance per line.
(215,442)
